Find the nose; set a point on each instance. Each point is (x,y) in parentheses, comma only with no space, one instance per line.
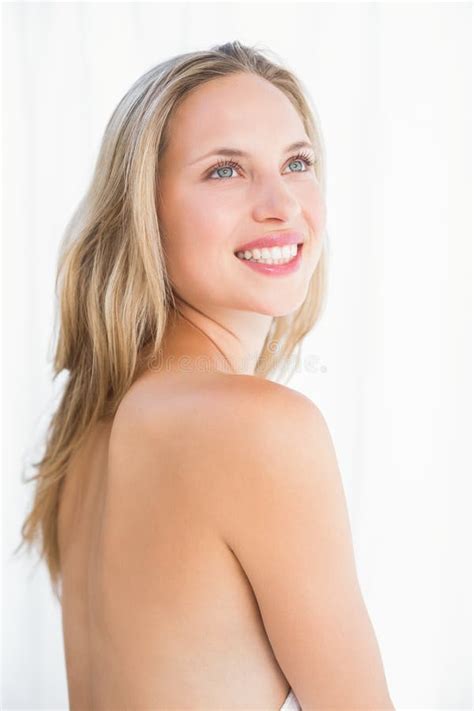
(275,198)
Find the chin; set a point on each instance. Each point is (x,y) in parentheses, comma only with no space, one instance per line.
(285,309)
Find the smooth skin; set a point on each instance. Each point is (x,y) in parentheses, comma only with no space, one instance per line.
(206,547)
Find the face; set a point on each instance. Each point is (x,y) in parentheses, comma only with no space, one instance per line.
(206,211)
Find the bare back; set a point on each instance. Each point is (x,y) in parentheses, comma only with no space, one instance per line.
(157,611)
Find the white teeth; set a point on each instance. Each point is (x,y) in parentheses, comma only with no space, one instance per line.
(275,255)
(272,254)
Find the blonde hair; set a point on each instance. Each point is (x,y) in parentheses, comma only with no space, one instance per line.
(113,289)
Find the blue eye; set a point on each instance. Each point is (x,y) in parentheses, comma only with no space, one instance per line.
(224,165)
(232,164)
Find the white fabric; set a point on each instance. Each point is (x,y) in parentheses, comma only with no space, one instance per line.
(291,703)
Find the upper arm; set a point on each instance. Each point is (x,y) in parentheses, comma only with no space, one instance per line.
(283,514)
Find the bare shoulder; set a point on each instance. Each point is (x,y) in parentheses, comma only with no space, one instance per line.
(265,442)
(247,418)
(252,418)
(222,431)
(235,400)
(257,459)
(219,400)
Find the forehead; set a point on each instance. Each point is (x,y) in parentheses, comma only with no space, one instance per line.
(241,109)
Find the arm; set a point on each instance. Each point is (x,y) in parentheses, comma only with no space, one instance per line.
(284,516)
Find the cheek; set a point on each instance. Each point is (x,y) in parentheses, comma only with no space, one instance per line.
(315,213)
(195,235)
(192,218)
(315,216)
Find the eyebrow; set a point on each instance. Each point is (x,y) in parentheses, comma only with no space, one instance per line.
(237,152)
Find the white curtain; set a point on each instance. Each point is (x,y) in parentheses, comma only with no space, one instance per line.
(389,364)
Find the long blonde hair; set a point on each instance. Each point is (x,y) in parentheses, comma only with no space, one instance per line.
(112,286)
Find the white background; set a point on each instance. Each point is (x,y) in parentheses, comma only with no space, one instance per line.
(392,86)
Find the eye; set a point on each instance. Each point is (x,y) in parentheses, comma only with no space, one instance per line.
(224,164)
(304,158)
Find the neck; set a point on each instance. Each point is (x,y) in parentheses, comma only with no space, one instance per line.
(228,341)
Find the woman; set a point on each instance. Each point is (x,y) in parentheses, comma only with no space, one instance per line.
(191,510)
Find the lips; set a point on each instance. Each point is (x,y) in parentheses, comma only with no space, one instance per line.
(272,239)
